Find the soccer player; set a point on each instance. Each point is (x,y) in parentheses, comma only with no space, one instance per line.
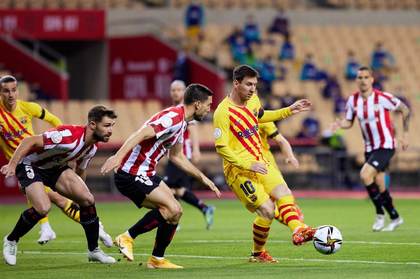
(136,177)
(372,107)
(15,125)
(177,179)
(255,181)
(43,160)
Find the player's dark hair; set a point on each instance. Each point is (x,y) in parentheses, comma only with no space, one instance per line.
(196,92)
(98,112)
(7,78)
(242,71)
(366,68)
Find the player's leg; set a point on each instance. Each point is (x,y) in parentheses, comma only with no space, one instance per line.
(171,211)
(251,193)
(72,210)
(388,204)
(72,186)
(286,211)
(149,192)
(28,219)
(367,175)
(46,233)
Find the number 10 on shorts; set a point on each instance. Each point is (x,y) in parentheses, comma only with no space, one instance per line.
(248,188)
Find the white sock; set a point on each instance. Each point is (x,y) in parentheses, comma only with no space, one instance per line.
(158,258)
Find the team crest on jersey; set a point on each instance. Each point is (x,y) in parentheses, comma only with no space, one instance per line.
(376,107)
(24,120)
(56,137)
(255,112)
(217,133)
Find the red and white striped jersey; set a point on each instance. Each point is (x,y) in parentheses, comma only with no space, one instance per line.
(62,144)
(374,118)
(169,126)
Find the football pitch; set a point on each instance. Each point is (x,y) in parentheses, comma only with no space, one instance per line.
(223,251)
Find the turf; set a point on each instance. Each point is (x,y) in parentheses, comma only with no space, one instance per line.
(222,252)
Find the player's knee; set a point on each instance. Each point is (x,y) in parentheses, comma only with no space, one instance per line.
(86,199)
(366,178)
(267,210)
(175,212)
(42,209)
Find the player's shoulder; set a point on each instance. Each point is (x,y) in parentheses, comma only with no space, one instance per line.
(24,105)
(222,107)
(69,130)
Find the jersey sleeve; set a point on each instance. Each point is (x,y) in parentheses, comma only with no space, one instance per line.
(39,112)
(57,137)
(268,129)
(350,113)
(389,101)
(166,123)
(221,126)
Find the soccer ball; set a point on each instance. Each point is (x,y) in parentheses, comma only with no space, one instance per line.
(327,239)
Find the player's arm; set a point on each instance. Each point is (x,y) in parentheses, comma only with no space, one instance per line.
(279,114)
(195,141)
(286,149)
(25,146)
(43,114)
(405,113)
(142,134)
(178,158)
(342,123)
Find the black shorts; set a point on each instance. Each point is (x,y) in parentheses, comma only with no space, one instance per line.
(176,178)
(379,158)
(28,174)
(136,187)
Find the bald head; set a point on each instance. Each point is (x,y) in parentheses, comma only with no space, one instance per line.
(177,91)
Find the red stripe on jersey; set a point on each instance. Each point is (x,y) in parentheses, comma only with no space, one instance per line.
(7,142)
(18,123)
(10,127)
(367,126)
(154,157)
(246,110)
(248,123)
(145,147)
(242,128)
(378,120)
(244,144)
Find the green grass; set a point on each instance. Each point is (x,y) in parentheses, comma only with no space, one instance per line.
(222,252)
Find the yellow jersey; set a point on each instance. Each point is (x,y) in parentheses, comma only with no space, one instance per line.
(17,125)
(236,127)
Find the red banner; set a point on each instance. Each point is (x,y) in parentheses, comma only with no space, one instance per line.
(142,67)
(53,25)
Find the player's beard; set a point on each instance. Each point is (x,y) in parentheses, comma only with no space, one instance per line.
(198,117)
(100,138)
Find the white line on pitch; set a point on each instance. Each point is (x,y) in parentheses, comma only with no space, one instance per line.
(235,258)
(204,241)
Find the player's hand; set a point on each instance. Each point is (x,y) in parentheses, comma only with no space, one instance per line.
(403,143)
(112,163)
(259,167)
(8,170)
(206,181)
(195,157)
(293,161)
(335,126)
(300,105)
